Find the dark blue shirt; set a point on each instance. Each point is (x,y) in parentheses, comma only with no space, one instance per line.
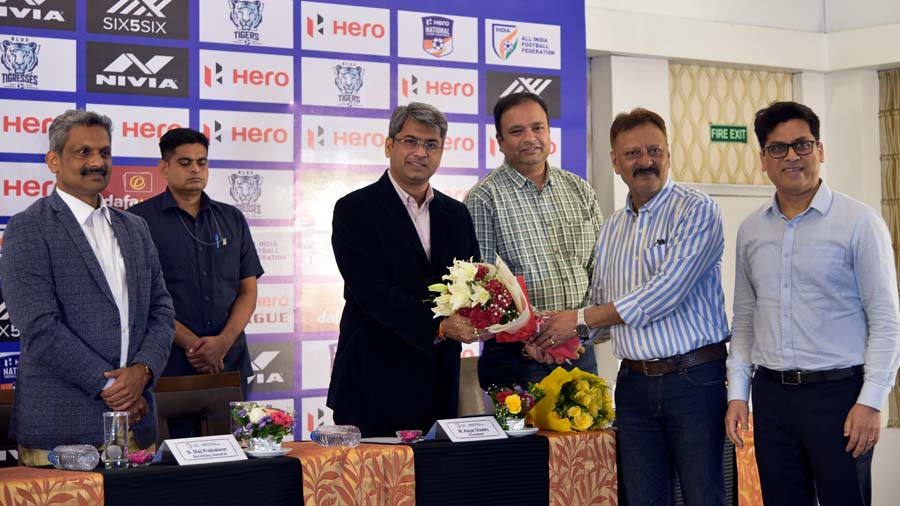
(203,260)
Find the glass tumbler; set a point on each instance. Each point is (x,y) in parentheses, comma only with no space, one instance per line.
(115,439)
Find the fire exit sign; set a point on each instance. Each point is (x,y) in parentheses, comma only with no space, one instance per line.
(728,133)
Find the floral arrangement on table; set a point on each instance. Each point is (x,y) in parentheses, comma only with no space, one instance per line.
(256,422)
(494,299)
(575,401)
(511,404)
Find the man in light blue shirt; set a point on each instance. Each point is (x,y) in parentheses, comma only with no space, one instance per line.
(657,287)
(816,313)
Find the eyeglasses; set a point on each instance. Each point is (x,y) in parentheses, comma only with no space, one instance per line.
(412,144)
(779,150)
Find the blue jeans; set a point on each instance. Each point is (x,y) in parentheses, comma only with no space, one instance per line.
(674,421)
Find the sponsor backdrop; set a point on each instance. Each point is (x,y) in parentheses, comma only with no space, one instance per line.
(295,97)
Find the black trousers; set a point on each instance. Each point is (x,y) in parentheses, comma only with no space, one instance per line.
(799,441)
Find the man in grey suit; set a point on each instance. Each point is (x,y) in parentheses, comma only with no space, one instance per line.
(83,284)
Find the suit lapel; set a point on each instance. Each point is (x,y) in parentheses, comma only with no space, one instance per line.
(73,228)
(397,214)
(127,246)
(439,228)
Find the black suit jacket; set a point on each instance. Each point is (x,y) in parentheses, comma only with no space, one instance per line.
(388,374)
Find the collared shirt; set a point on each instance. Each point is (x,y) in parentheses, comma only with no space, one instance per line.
(816,292)
(97,227)
(420,215)
(661,269)
(203,259)
(547,235)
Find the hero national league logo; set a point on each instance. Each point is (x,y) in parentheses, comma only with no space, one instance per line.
(52,14)
(162,19)
(137,70)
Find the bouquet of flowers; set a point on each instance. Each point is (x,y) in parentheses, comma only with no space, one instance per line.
(575,401)
(254,421)
(492,298)
(512,403)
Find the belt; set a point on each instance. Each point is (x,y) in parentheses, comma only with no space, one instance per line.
(808,377)
(658,367)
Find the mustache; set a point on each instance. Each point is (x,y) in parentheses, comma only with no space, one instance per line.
(642,171)
(87,171)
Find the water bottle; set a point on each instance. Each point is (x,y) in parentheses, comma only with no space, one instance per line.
(74,457)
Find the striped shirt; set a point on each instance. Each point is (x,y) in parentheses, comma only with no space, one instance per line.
(546,235)
(661,269)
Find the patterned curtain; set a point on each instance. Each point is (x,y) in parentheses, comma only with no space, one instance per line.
(704,95)
(889,119)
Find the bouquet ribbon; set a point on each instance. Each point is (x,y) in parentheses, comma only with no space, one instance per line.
(563,351)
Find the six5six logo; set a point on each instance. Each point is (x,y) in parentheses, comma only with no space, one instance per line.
(246,77)
(346,29)
(501,84)
(137,70)
(163,19)
(450,90)
(254,136)
(52,14)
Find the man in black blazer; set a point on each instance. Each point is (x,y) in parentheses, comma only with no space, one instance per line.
(397,367)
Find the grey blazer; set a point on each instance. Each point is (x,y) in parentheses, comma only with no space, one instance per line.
(57,296)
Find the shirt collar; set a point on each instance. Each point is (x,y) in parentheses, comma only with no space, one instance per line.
(521,181)
(169,202)
(407,198)
(655,201)
(81,210)
(821,202)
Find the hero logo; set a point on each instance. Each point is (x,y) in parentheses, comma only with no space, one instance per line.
(462,143)
(253,135)
(316,137)
(137,8)
(315,27)
(125,61)
(245,77)
(27,188)
(146,129)
(26,124)
(259,366)
(30,12)
(410,87)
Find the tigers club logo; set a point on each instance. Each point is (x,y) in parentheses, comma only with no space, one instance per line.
(20,58)
(246,16)
(348,79)
(245,188)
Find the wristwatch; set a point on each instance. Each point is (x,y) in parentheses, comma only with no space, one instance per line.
(581,327)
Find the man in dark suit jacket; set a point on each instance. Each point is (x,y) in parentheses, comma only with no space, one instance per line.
(82,283)
(395,367)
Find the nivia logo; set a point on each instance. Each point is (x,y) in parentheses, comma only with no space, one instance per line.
(273,366)
(263,360)
(137,69)
(501,84)
(147,18)
(59,15)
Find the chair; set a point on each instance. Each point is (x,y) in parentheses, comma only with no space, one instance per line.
(471,396)
(204,396)
(6,444)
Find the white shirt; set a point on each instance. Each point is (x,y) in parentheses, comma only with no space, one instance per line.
(420,215)
(97,227)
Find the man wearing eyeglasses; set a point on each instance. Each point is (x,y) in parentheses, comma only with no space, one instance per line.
(816,314)
(397,367)
(542,221)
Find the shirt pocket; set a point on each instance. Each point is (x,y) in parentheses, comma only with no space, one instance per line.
(579,238)
(653,258)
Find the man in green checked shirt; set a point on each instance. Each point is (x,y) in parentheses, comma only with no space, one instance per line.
(543,222)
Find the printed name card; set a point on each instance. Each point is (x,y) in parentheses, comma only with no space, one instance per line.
(201,450)
(476,428)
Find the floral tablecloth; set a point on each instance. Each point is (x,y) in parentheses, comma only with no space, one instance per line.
(583,468)
(25,486)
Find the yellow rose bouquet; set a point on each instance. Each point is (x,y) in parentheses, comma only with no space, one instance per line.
(574,401)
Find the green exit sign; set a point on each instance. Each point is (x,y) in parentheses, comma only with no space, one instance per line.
(728,133)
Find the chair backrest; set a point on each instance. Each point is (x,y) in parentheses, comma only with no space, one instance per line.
(204,396)
(7,445)
(471,396)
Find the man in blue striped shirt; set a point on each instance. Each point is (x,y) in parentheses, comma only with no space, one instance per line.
(657,287)
(816,311)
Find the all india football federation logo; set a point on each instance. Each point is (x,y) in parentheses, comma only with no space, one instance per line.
(437,35)
(20,58)
(504,40)
(246,16)
(245,189)
(348,79)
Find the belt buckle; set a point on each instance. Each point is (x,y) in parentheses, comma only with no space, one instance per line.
(790,374)
(644,367)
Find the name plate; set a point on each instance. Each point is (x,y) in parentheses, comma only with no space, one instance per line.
(201,450)
(475,428)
